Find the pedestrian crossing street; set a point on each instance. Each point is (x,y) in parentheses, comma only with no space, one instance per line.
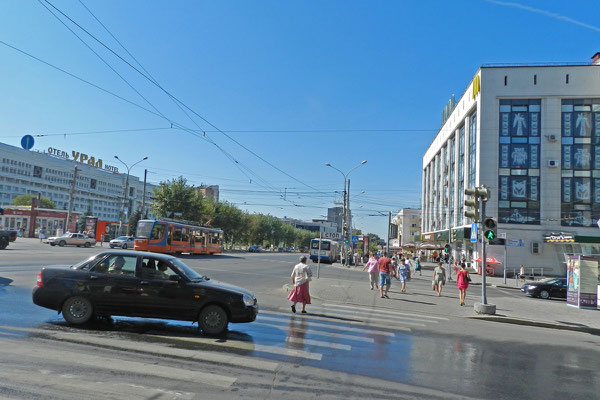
(331,336)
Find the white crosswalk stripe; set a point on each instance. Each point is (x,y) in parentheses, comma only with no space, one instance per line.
(334,335)
(334,325)
(386,311)
(369,316)
(318,343)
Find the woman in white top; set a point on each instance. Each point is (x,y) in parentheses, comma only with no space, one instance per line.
(300,277)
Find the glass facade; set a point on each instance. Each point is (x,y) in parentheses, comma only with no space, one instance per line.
(461,176)
(472,149)
(580,188)
(519,162)
(451,174)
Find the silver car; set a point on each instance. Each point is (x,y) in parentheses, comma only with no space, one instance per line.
(124,242)
(72,239)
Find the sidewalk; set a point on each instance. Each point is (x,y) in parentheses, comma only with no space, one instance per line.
(512,306)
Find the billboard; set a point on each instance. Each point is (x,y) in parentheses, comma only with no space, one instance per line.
(582,282)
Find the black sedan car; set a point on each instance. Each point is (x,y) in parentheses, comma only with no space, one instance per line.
(142,284)
(552,287)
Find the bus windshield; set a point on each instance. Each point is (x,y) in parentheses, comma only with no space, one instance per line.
(324,245)
(143,229)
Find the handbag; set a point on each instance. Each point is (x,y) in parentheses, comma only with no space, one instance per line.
(433,284)
(468,277)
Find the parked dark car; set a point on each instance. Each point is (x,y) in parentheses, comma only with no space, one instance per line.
(254,249)
(142,284)
(552,287)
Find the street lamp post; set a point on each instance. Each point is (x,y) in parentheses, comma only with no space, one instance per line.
(126,188)
(345,213)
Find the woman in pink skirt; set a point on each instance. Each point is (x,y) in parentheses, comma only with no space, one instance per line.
(462,282)
(300,277)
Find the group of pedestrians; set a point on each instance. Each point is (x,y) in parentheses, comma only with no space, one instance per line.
(382,269)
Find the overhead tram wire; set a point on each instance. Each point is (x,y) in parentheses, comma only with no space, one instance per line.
(91,132)
(155,82)
(176,99)
(229,156)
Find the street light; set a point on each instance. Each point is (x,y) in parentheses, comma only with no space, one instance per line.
(126,187)
(346,207)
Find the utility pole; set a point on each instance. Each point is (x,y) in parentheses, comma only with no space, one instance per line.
(71,198)
(143,213)
(482,204)
(387,246)
(349,223)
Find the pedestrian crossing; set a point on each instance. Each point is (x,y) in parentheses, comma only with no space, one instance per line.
(331,335)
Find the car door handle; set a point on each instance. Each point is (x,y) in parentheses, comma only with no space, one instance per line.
(145,283)
(93,277)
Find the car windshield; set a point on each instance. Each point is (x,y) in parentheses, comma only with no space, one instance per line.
(187,271)
(122,238)
(85,264)
(66,235)
(143,229)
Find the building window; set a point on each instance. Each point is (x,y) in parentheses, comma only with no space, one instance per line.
(580,192)
(472,149)
(519,162)
(461,175)
(451,185)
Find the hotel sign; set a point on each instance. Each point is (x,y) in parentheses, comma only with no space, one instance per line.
(82,158)
(559,238)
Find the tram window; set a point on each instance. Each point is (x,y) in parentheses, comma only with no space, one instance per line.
(158,232)
(177,234)
(185,237)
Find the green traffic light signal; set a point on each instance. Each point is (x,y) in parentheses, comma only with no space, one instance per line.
(490,235)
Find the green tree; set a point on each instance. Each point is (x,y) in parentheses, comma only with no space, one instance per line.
(374,241)
(81,221)
(25,200)
(133,220)
(231,220)
(177,199)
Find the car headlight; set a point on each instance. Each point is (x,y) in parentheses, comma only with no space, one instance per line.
(248,300)
(531,287)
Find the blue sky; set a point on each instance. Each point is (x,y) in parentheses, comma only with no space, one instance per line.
(299,83)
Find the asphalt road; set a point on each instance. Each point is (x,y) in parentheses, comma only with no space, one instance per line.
(351,345)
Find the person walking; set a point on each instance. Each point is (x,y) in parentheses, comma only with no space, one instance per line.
(439,278)
(462,282)
(301,275)
(418,265)
(384,266)
(404,273)
(371,267)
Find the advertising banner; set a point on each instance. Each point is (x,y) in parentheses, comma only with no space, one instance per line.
(90,226)
(582,282)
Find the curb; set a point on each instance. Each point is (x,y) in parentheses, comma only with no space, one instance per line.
(539,324)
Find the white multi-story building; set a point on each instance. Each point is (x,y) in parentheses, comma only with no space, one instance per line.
(408,221)
(50,174)
(531,134)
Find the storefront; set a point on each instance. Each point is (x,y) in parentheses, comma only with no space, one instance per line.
(29,222)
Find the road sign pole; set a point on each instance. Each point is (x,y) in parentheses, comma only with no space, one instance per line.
(483,259)
(319,254)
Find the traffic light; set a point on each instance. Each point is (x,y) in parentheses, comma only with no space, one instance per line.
(490,227)
(447,248)
(346,240)
(473,203)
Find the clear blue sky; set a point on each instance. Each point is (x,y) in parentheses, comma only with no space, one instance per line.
(309,81)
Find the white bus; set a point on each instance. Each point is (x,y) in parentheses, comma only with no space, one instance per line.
(330,250)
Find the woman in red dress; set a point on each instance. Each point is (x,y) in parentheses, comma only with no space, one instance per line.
(462,282)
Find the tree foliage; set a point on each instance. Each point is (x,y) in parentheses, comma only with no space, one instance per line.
(25,200)
(178,200)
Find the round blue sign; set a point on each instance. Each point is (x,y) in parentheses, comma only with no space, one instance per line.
(27,142)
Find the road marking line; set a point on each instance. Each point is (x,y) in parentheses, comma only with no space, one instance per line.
(156,349)
(316,332)
(386,311)
(247,346)
(348,322)
(323,325)
(376,313)
(318,343)
(370,317)
(121,365)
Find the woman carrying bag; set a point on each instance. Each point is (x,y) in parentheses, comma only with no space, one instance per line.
(462,282)
(439,278)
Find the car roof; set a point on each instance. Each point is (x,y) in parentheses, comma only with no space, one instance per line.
(137,254)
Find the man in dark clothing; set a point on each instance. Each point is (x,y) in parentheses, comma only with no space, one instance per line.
(384,265)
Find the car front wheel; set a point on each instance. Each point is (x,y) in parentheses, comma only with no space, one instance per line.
(124,246)
(87,244)
(77,310)
(213,320)
(544,294)
(62,243)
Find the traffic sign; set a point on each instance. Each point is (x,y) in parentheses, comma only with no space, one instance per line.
(474,232)
(354,239)
(332,235)
(27,142)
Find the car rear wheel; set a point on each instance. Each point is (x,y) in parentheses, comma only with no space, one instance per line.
(77,310)
(87,244)
(213,320)
(124,246)
(52,244)
(62,243)
(3,243)
(544,294)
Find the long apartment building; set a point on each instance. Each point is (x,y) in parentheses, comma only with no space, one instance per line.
(531,134)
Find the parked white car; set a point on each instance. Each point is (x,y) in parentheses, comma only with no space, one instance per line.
(72,239)
(124,242)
